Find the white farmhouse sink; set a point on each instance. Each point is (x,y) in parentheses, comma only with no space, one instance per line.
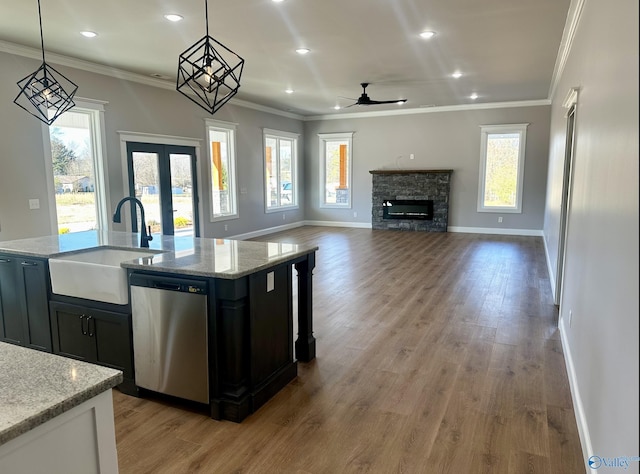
(94,274)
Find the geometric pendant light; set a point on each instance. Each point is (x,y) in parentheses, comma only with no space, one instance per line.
(209,72)
(46,94)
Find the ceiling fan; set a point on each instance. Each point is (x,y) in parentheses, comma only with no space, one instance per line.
(364,99)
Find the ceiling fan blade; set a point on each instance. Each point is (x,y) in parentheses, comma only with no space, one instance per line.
(348,98)
(380,102)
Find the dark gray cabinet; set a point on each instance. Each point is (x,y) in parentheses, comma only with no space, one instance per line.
(93,335)
(24,296)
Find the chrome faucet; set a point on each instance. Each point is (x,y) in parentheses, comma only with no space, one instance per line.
(145,236)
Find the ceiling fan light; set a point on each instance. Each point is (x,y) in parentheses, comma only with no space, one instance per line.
(89,34)
(303,51)
(427,34)
(456,75)
(473,96)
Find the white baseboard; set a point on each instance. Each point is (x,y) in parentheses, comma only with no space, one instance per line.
(578,408)
(355,225)
(492,230)
(552,277)
(269,230)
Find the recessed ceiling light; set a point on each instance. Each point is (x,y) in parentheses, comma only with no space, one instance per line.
(88,34)
(336,107)
(276,1)
(302,50)
(456,75)
(473,96)
(289,91)
(173,17)
(427,34)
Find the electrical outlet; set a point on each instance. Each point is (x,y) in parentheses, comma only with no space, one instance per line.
(284,217)
(412,156)
(34,204)
(355,214)
(226,227)
(500,220)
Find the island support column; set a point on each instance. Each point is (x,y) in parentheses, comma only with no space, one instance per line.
(306,343)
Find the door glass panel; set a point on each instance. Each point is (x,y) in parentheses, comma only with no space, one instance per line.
(182,193)
(146,179)
(72,153)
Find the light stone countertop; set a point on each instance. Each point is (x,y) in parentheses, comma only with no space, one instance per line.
(37,386)
(217,258)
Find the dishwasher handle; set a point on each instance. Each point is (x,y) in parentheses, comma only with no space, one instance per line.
(164,285)
(169,283)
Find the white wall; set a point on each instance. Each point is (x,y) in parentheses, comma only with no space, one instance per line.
(131,107)
(438,140)
(601,272)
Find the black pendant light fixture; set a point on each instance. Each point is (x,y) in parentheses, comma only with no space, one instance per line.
(209,72)
(46,94)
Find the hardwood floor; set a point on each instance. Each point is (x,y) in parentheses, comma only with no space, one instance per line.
(435,353)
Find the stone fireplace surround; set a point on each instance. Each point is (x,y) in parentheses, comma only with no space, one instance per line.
(411,185)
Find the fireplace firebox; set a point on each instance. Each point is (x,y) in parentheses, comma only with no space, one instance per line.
(418,209)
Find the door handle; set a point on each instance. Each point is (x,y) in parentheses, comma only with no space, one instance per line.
(84,333)
(92,332)
(5,260)
(29,264)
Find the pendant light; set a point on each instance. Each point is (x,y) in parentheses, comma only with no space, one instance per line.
(46,94)
(209,72)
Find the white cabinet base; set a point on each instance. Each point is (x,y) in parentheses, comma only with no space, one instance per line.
(81,440)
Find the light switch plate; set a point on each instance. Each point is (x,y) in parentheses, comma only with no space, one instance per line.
(34,204)
(271,283)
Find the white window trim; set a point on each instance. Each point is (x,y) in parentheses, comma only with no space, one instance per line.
(102,194)
(486,130)
(224,127)
(268,132)
(323,139)
(126,136)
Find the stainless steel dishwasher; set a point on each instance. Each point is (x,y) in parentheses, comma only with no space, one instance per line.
(169,317)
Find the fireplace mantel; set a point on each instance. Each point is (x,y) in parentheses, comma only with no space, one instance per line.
(401,171)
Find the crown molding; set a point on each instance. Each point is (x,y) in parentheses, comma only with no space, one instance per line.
(431,110)
(62,60)
(568,35)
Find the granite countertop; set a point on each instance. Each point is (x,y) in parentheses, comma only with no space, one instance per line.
(217,258)
(37,386)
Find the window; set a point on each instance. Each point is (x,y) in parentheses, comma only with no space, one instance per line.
(335,169)
(222,161)
(280,168)
(77,177)
(501,167)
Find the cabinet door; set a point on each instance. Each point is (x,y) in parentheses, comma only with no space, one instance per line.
(112,334)
(34,276)
(11,321)
(71,332)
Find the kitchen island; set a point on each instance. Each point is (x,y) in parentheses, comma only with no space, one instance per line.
(249,316)
(56,414)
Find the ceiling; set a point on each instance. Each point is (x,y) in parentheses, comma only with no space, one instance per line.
(505,49)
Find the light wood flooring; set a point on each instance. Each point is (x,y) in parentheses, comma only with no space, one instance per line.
(435,353)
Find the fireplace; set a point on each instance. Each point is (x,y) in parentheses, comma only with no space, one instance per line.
(421,209)
(415,200)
